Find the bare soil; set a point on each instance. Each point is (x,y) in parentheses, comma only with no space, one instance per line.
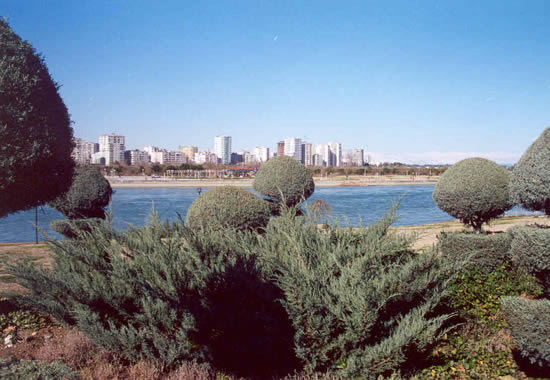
(427,233)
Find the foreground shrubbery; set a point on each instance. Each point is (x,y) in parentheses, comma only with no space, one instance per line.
(529,321)
(337,300)
(530,249)
(484,251)
(35,370)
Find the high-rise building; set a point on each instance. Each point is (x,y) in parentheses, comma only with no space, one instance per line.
(261,153)
(293,148)
(336,154)
(189,151)
(323,153)
(357,157)
(281,148)
(112,148)
(83,151)
(307,154)
(222,149)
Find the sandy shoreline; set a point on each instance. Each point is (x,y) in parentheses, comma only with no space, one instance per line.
(358,181)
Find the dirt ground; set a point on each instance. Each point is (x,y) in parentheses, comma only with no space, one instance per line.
(11,252)
(427,233)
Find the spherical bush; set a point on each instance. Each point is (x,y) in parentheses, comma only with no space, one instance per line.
(474,190)
(229,207)
(285,180)
(530,182)
(87,197)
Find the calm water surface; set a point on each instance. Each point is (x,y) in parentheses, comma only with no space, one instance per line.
(353,205)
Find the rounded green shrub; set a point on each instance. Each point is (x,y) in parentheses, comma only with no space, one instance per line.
(87,197)
(474,190)
(529,322)
(230,207)
(530,182)
(285,180)
(530,249)
(483,251)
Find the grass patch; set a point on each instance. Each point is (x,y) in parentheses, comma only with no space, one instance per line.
(7,279)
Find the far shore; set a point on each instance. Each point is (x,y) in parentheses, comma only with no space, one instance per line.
(336,181)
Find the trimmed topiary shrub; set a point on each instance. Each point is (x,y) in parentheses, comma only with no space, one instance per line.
(530,182)
(229,207)
(530,249)
(529,322)
(87,197)
(484,251)
(284,180)
(474,190)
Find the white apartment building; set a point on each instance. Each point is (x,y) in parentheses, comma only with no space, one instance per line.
(83,151)
(261,153)
(151,149)
(222,149)
(307,154)
(112,148)
(137,157)
(336,153)
(205,158)
(165,157)
(357,157)
(293,148)
(328,154)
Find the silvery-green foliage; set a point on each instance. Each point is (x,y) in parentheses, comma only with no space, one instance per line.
(361,301)
(529,322)
(166,295)
(350,302)
(530,249)
(13,369)
(484,251)
(284,180)
(230,207)
(474,190)
(530,182)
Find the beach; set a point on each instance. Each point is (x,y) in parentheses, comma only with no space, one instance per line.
(333,181)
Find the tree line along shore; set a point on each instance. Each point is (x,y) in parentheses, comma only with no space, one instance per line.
(335,181)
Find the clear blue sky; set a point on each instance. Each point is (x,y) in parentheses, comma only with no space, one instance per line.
(410,80)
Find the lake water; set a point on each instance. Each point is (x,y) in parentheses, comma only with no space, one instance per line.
(353,205)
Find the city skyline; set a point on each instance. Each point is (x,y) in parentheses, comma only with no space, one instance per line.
(428,82)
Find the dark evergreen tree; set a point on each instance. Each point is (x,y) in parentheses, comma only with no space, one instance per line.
(87,197)
(35,131)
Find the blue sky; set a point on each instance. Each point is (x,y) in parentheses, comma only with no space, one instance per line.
(417,81)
